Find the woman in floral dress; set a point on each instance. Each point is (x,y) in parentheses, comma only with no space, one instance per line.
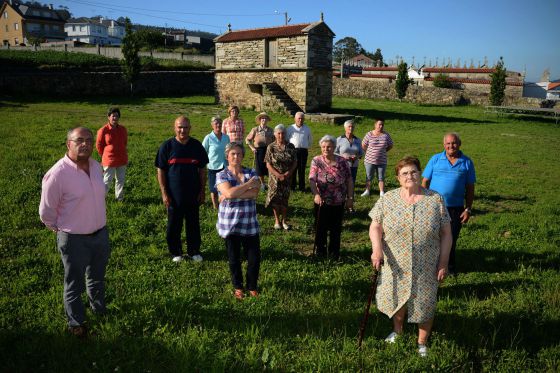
(281,162)
(332,187)
(411,238)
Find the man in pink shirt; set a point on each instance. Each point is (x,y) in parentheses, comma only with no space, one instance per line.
(73,206)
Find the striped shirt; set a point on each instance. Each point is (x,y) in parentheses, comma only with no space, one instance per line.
(236,216)
(235,129)
(376,147)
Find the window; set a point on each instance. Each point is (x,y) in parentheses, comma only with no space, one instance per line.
(6,14)
(73,28)
(16,26)
(7,28)
(16,41)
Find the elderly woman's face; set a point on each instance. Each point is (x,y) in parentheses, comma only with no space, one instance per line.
(233,113)
(409,176)
(379,125)
(279,136)
(349,129)
(216,126)
(235,156)
(327,148)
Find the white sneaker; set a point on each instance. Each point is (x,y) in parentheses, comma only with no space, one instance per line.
(177,259)
(197,258)
(365,193)
(381,194)
(422,350)
(392,338)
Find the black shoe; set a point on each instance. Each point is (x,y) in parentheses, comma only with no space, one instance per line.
(79,331)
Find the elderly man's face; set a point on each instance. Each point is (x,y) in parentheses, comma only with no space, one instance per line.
(451,145)
(80,145)
(299,120)
(182,130)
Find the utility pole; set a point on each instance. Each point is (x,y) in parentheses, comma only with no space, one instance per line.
(165,40)
(286,19)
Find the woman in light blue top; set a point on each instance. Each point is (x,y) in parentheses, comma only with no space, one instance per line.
(349,147)
(215,144)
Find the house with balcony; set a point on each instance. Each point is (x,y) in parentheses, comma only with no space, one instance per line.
(285,68)
(19,23)
(96,31)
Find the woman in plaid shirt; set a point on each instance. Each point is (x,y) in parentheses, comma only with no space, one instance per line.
(237,219)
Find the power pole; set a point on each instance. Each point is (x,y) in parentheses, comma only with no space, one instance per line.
(165,40)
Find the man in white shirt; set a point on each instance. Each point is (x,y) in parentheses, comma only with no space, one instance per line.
(300,136)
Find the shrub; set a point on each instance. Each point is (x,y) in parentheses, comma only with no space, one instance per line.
(403,81)
(58,59)
(498,84)
(442,81)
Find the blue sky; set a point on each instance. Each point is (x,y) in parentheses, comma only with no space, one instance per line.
(525,32)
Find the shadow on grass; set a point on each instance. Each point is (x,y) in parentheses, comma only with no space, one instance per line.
(99,100)
(499,261)
(502,203)
(389,115)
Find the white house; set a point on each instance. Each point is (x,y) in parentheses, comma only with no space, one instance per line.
(94,31)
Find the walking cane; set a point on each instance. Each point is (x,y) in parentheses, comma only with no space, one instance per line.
(317,221)
(366,314)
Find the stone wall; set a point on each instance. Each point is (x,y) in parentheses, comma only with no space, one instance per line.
(424,95)
(320,49)
(76,84)
(232,87)
(240,55)
(319,90)
(292,52)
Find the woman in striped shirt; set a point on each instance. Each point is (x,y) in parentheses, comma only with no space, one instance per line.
(376,144)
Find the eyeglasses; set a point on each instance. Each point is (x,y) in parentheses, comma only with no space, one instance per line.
(80,140)
(409,173)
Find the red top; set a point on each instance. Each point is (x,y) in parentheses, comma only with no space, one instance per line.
(111,145)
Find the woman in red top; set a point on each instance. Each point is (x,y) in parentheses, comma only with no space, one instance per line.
(111,144)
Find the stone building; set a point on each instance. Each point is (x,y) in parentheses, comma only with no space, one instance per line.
(285,68)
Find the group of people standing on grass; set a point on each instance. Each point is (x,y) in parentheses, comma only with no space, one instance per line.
(413,232)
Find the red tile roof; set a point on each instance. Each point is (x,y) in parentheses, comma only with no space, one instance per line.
(261,33)
(553,86)
(456,70)
(476,81)
(388,68)
(373,76)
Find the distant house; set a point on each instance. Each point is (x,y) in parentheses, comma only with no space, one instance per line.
(286,68)
(360,60)
(19,22)
(95,31)
(553,91)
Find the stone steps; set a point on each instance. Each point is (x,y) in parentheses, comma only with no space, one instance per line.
(283,99)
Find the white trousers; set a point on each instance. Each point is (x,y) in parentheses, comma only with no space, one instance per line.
(119,174)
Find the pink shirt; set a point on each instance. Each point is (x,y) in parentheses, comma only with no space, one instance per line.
(234,129)
(72,201)
(331,181)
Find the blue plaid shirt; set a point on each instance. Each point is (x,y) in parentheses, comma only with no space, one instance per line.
(236,216)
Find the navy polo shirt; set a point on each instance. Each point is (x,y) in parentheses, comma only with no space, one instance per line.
(181,163)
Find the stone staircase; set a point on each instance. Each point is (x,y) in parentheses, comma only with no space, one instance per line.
(276,99)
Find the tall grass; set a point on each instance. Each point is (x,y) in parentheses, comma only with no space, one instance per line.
(501,313)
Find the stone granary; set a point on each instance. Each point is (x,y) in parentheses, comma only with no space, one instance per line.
(285,68)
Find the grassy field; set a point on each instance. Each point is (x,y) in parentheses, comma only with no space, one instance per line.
(501,313)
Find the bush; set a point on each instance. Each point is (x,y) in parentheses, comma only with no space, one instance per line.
(442,81)
(56,59)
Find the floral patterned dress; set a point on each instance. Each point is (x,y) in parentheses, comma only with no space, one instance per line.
(411,247)
(281,160)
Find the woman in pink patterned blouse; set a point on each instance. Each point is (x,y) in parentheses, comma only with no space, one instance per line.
(331,184)
(233,126)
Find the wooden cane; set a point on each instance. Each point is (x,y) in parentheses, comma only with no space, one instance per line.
(366,314)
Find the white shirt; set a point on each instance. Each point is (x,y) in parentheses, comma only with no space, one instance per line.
(299,136)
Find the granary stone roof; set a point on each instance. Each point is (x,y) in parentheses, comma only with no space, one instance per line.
(268,32)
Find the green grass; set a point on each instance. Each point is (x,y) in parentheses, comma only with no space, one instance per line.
(500,314)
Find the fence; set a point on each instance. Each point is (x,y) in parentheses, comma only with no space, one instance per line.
(115,52)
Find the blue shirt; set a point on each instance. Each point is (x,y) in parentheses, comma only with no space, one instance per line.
(216,150)
(450,180)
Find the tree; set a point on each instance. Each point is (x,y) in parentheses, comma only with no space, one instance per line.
(377,57)
(403,81)
(150,39)
(442,81)
(498,84)
(130,48)
(345,48)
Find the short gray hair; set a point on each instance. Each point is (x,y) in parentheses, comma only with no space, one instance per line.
(216,119)
(232,145)
(71,131)
(348,123)
(280,128)
(454,134)
(299,114)
(327,138)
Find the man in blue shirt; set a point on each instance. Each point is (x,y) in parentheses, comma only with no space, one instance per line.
(451,174)
(181,163)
